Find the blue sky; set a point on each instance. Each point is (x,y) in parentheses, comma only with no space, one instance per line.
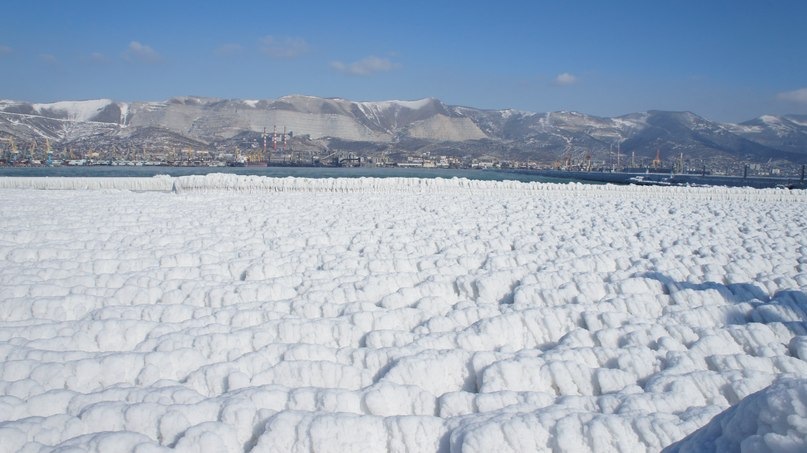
(725,60)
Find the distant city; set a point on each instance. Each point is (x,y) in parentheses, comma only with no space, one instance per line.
(32,156)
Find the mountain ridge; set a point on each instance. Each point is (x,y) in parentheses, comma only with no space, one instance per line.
(408,126)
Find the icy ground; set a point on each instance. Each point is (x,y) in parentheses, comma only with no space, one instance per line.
(255,314)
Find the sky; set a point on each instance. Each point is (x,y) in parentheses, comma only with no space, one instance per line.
(725,60)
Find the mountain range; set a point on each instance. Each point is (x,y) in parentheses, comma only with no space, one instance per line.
(404,127)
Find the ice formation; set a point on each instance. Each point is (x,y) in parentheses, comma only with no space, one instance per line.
(769,421)
(233,313)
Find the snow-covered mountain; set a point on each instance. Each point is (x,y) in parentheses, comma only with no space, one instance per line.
(419,125)
(788,132)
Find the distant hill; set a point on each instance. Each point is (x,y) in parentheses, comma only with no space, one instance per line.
(420,126)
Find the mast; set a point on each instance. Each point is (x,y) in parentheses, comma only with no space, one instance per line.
(267,156)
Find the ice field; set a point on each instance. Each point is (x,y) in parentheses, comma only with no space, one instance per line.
(234,314)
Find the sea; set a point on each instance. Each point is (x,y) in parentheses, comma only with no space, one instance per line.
(549,176)
(279,172)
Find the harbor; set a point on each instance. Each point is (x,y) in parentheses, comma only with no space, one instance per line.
(496,174)
(672,179)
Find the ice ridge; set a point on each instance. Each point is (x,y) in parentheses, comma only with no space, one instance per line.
(250,183)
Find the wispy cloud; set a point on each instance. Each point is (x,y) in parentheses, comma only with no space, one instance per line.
(798,96)
(366,66)
(96,57)
(283,47)
(142,53)
(565,79)
(48,58)
(5,50)
(228,50)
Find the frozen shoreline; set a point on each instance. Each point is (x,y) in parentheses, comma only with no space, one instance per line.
(422,315)
(244,183)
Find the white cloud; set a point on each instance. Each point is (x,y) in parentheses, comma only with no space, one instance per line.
(798,96)
(141,52)
(365,66)
(5,50)
(228,50)
(565,79)
(286,47)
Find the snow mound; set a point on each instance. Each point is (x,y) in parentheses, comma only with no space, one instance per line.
(229,182)
(160,183)
(771,420)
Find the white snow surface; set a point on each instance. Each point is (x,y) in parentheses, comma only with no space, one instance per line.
(76,110)
(779,409)
(411,105)
(796,120)
(234,313)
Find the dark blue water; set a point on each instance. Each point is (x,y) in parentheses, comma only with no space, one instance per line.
(383,172)
(300,172)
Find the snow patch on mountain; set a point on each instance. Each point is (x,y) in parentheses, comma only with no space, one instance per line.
(124,113)
(745,128)
(411,105)
(74,110)
(801,121)
(509,113)
(449,129)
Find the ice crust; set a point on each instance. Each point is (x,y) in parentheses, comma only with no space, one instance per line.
(233,313)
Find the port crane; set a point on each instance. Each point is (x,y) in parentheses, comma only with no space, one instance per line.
(657,160)
(49,153)
(32,153)
(574,159)
(13,145)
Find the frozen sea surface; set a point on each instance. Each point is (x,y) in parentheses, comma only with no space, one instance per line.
(227,313)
